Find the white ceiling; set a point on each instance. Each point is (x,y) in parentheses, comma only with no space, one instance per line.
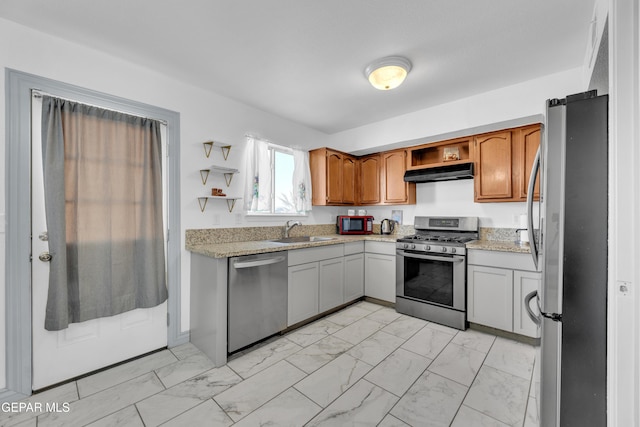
(304,59)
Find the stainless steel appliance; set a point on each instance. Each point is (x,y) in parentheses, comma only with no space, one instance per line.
(354,224)
(257,306)
(572,255)
(431,269)
(387,226)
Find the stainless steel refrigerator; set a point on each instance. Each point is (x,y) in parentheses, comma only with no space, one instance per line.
(571,253)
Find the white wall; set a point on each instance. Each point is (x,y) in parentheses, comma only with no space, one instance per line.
(507,104)
(2,293)
(501,105)
(204,115)
(623,337)
(453,198)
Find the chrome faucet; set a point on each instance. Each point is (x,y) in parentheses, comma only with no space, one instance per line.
(289,225)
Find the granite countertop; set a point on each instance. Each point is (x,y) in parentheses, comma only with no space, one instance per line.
(225,250)
(493,245)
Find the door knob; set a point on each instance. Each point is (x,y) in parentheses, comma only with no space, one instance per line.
(45,257)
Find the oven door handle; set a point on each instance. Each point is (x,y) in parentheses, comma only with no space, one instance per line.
(431,257)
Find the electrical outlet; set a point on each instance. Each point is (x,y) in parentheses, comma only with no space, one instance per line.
(238,218)
(215,219)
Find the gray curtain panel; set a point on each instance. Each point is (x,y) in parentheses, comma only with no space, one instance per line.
(104,209)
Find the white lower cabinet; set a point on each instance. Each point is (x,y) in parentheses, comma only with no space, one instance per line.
(353,277)
(353,271)
(304,282)
(380,270)
(490,296)
(331,285)
(497,283)
(524,282)
(316,281)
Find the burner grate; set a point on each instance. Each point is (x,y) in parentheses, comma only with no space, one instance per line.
(440,238)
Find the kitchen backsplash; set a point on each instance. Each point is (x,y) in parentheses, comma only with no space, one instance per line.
(500,234)
(244,234)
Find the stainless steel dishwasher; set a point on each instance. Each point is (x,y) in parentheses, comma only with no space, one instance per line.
(257,306)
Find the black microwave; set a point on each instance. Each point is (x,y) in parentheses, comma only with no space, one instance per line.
(349,224)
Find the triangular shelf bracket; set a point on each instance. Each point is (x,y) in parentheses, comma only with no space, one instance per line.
(228,177)
(204,175)
(231,203)
(202,201)
(225,151)
(208,145)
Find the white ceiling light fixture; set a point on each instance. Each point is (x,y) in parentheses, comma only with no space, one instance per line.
(388,73)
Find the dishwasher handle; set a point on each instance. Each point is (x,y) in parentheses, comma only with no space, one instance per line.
(258,263)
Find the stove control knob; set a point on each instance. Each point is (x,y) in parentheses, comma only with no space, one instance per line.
(413,246)
(428,248)
(444,249)
(453,250)
(406,245)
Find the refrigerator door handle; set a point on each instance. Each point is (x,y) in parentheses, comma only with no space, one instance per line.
(527,305)
(532,185)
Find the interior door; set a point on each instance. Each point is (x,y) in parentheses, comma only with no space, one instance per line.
(94,344)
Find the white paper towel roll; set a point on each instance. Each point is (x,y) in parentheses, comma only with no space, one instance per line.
(522,221)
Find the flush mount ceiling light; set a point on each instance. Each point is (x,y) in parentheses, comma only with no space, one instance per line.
(388,73)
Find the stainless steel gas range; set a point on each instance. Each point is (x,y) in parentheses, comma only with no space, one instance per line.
(432,269)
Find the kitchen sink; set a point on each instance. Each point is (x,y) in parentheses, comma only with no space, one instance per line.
(302,239)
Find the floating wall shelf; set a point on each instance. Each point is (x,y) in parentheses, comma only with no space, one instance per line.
(231,201)
(227,172)
(208,145)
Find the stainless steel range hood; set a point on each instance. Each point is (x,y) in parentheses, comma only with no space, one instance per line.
(440,173)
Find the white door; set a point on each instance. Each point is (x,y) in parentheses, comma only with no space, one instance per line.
(90,345)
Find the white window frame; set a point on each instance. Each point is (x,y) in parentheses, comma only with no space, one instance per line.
(272,149)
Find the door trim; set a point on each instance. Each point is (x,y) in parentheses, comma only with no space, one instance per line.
(18,87)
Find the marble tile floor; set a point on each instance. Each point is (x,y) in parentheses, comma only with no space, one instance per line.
(364,365)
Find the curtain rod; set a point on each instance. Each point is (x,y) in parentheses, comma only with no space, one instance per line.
(38,93)
(248,135)
(295,147)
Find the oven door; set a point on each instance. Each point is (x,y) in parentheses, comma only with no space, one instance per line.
(434,279)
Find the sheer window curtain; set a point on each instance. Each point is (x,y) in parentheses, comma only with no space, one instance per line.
(258,185)
(301,181)
(258,194)
(104,207)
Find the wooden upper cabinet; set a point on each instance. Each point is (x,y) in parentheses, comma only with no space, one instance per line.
(342,179)
(444,153)
(349,180)
(394,188)
(369,180)
(527,143)
(493,163)
(333,177)
(503,163)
